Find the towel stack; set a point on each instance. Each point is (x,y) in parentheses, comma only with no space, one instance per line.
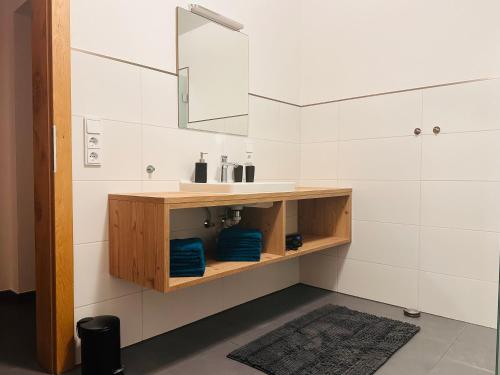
(293,241)
(187,257)
(239,244)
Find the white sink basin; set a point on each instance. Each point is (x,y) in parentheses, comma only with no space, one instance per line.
(240,187)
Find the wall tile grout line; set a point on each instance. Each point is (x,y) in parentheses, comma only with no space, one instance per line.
(401,91)
(122,61)
(148,67)
(426,226)
(399,180)
(344,140)
(338,163)
(285,102)
(414,269)
(108,299)
(420,197)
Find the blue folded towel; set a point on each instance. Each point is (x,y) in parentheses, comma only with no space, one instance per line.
(241,234)
(239,244)
(187,257)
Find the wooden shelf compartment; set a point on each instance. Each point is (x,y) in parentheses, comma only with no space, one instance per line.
(313,243)
(323,223)
(217,269)
(139,231)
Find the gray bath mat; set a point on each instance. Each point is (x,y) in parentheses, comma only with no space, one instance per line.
(329,340)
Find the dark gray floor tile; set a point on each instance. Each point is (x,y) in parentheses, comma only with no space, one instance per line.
(436,327)
(449,367)
(17,336)
(21,371)
(417,357)
(432,326)
(260,328)
(201,347)
(475,346)
(212,361)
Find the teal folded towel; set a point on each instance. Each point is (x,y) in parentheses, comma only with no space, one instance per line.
(187,257)
(239,244)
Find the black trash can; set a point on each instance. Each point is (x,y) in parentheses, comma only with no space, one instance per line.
(100,337)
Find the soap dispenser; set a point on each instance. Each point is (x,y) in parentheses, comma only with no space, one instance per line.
(249,168)
(200,169)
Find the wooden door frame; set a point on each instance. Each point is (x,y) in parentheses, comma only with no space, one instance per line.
(53,184)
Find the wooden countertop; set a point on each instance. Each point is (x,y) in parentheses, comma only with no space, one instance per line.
(186,199)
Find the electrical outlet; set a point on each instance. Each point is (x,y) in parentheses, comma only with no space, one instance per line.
(94,157)
(93,141)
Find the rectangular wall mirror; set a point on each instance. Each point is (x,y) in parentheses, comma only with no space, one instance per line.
(212,68)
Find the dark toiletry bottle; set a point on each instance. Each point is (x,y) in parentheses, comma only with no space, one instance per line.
(238,173)
(200,170)
(249,169)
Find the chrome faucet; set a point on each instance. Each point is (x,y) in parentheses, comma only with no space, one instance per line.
(224,164)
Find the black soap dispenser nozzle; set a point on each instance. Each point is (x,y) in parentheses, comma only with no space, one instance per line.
(200,170)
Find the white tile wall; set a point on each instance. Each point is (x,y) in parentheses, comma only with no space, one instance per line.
(259,282)
(159,98)
(461,204)
(380,159)
(146,35)
(104,88)
(133,33)
(93,283)
(163,313)
(319,270)
(466,107)
(384,243)
(319,160)
(90,207)
(349,143)
(166,312)
(426,209)
(138,112)
(380,282)
(381,116)
(150,185)
(385,201)
(265,116)
(462,156)
(464,253)
(319,123)
(120,160)
(276,160)
(289,123)
(272,120)
(473,301)
(160,146)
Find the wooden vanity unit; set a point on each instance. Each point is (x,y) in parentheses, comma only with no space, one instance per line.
(139,230)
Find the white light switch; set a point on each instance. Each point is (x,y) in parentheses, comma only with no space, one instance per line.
(93,126)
